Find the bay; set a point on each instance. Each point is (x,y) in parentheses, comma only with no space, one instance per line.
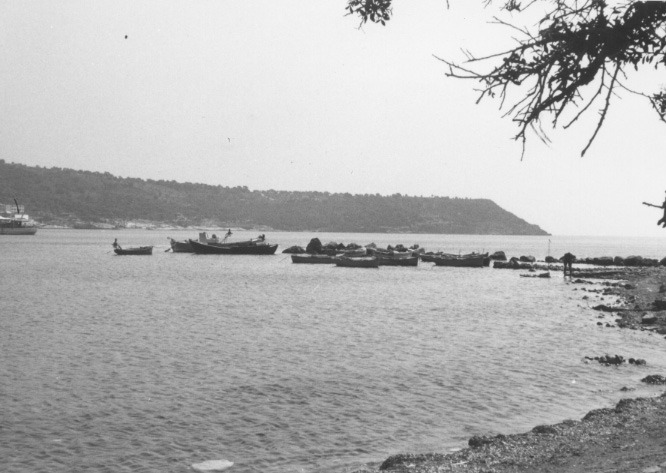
(152,364)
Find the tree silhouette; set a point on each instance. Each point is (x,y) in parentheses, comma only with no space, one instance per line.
(576,44)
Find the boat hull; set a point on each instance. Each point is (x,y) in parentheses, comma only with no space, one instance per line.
(18,230)
(428,258)
(142,250)
(181,246)
(218,249)
(360,262)
(460,262)
(312,259)
(399,261)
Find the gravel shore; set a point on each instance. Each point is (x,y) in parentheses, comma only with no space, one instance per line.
(631,437)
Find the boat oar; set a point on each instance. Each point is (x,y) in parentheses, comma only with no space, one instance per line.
(167,249)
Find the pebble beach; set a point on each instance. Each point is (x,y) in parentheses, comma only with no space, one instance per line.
(629,437)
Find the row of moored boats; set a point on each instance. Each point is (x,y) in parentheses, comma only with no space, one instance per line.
(207,246)
(394,258)
(356,257)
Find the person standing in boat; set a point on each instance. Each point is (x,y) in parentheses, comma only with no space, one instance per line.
(116,245)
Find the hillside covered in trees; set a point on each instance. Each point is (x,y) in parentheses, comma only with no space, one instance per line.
(82,198)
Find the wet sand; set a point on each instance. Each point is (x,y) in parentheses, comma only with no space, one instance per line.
(631,437)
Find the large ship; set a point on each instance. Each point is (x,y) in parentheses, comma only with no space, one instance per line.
(16,223)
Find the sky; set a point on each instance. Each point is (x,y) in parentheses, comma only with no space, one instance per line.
(293,95)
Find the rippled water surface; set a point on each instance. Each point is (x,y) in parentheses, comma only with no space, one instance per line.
(151,364)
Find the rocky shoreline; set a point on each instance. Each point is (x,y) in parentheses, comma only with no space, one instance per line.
(631,437)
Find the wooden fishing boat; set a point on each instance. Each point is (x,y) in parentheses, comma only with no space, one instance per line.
(139,250)
(180,246)
(258,248)
(357,262)
(260,240)
(184,246)
(472,260)
(428,258)
(392,253)
(312,259)
(397,260)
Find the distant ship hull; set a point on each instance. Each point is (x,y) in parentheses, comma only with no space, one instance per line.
(18,230)
(18,224)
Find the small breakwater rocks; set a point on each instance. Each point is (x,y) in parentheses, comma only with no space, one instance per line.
(616,360)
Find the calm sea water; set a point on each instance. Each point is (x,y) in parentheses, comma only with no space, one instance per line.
(152,364)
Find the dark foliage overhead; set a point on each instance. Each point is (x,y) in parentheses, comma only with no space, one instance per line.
(69,197)
(377,11)
(577,43)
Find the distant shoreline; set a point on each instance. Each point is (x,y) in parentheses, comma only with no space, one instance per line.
(154,228)
(261,229)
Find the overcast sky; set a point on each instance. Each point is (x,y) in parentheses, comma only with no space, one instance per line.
(292,95)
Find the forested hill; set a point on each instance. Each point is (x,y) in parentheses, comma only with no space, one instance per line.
(79,198)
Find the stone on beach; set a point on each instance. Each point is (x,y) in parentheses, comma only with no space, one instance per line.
(605,308)
(478,441)
(659,304)
(648,319)
(544,429)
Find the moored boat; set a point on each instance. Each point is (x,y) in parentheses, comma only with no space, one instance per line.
(138,250)
(312,259)
(180,246)
(184,246)
(473,260)
(135,250)
(256,247)
(397,260)
(429,258)
(357,262)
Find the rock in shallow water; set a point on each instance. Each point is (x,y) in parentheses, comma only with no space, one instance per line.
(654,379)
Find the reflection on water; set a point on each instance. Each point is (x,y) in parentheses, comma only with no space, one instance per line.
(155,363)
